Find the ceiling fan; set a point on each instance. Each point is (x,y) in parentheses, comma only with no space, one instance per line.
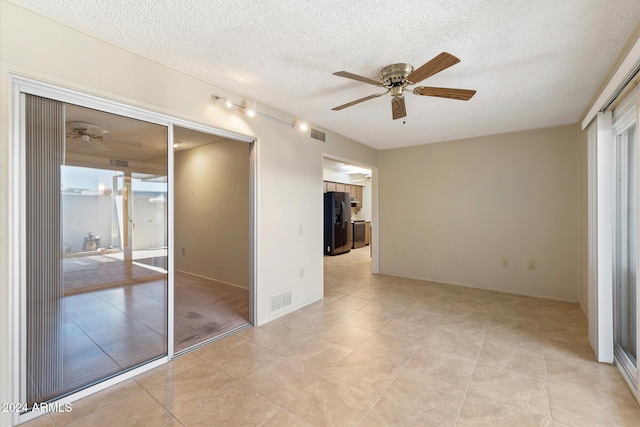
(94,136)
(396,77)
(89,133)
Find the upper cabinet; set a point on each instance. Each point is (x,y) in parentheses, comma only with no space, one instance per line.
(355,191)
(329,186)
(358,195)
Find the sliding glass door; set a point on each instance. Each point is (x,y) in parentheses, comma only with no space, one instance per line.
(95,284)
(626,245)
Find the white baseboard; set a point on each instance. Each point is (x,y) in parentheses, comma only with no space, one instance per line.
(466,285)
(212,278)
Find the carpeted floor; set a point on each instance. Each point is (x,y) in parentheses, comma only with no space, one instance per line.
(205,309)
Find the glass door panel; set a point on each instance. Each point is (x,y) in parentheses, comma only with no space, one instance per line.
(626,249)
(148,219)
(91,228)
(95,307)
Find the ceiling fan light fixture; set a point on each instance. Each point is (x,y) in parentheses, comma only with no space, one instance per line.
(398,108)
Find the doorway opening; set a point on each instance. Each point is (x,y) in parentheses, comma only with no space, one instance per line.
(212,236)
(347,223)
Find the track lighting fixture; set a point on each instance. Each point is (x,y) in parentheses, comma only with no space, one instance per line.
(227,102)
(249,108)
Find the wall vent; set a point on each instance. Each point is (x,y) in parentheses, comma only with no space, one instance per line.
(286,298)
(280,300)
(319,135)
(123,163)
(276,302)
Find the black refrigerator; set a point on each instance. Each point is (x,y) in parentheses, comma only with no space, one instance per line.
(337,223)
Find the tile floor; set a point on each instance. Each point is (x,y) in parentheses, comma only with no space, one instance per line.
(110,330)
(382,351)
(120,326)
(88,273)
(117,328)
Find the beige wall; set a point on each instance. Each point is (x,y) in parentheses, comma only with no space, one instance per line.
(450,212)
(286,161)
(212,211)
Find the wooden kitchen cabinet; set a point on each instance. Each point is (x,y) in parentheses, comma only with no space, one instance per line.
(330,186)
(355,191)
(358,197)
(351,189)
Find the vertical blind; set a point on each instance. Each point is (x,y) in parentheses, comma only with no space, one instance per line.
(44,153)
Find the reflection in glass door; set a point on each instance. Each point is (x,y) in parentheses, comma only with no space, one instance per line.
(626,249)
(147,221)
(96,226)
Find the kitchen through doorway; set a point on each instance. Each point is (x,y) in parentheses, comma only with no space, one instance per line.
(347,218)
(212,236)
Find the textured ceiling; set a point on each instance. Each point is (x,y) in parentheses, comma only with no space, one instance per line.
(533,63)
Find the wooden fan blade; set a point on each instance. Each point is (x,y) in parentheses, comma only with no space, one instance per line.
(437,64)
(357,101)
(352,76)
(445,92)
(398,108)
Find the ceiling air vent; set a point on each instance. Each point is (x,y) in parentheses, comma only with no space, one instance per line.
(319,135)
(122,163)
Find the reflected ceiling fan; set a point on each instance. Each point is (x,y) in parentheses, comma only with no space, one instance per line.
(94,135)
(396,77)
(89,133)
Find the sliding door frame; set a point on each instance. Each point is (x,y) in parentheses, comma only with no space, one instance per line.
(253,183)
(21,85)
(624,116)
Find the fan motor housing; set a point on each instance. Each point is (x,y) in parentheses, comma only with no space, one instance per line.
(395,74)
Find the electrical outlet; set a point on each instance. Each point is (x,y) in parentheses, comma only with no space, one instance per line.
(300,229)
(301,272)
(184,251)
(531,265)
(505,262)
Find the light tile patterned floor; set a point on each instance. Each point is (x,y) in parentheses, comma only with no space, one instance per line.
(110,330)
(382,351)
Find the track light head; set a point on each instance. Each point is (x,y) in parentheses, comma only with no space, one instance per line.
(301,125)
(250,108)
